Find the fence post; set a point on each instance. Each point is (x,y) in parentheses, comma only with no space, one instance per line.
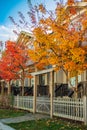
(34,94)
(85,109)
(51,93)
(17,101)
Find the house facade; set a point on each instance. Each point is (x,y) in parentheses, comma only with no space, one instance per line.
(48,82)
(60,85)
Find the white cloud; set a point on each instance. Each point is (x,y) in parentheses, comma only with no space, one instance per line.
(7,33)
(4,28)
(3,35)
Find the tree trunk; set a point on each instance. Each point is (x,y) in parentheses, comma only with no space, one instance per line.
(22,81)
(67,78)
(22,87)
(2,88)
(9,88)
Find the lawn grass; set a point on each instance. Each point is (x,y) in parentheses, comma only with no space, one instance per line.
(44,124)
(48,124)
(8,113)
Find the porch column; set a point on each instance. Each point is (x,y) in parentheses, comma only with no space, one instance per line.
(34,94)
(51,93)
(85,109)
(46,79)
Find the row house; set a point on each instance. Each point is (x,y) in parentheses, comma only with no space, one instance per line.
(48,82)
(42,78)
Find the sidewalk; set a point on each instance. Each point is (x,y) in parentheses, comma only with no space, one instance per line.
(27,117)
(5,127)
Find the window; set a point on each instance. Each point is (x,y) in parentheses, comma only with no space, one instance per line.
(32,82)
(42,79)
(73,80)
(17,82)
(26,82)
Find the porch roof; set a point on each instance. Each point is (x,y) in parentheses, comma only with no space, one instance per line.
(42,72)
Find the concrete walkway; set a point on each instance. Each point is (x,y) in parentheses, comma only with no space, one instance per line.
(5,127)
(27,117)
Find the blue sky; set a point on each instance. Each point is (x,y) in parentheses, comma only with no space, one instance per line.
(6,6)
(11,8)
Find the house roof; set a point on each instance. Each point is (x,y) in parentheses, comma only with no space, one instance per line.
(24,37)
(30,63)
(80,7)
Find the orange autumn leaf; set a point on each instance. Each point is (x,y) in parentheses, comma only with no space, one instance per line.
(72,10)
(70,2)
(59,39)
(29,76)
(42,8)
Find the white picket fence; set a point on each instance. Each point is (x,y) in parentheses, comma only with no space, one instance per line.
(25,103)
(69,108)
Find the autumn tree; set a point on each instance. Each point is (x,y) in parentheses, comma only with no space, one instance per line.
(8,71)
(14,62)
(59,41)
